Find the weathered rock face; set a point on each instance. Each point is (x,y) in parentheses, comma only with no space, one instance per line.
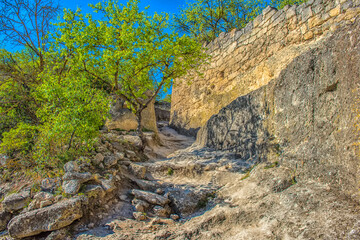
(4,219)
(16,201)
(162,111)
(305,118)
(244,60)
(46,219)
(150,197)
(122,118)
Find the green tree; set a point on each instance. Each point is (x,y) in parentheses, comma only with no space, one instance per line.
(49,112)
(128,53)
(206,19)
(279,4)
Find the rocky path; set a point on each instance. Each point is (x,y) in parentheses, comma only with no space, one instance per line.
(159,199)
(170,142)
(198,193)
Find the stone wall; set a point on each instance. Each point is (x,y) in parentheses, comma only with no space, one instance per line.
(244,60)
(305,119)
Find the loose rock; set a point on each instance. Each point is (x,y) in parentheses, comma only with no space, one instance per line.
(138,170)
(47,219)
(108,184)
(16,201)
(139,216)
(82,177)
(174,217)
(140,206)
(71,166)
(71,187)
(150,197)
(98,159)
(110,161)
(4,219)
(162,211)
(50,184)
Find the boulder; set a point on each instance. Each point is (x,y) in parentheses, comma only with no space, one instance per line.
(71,167)
(47,219)
(41,199)
(16,201)
(123,118)
(98,159)
(110,161)
(71,187)
(138,170)
(95,191)
(4,220)
(82,177)
(140,205)
(150,197)
(139,216)
(162,211)
(108,184)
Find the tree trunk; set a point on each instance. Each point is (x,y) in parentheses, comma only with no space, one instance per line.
(140,131)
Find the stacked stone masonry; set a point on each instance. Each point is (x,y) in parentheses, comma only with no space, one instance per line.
(244,60)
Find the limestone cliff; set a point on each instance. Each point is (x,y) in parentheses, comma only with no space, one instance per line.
(304,119)
(245,60)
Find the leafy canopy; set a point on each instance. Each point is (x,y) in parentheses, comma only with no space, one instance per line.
(126,53)
(206,19)
(129,53)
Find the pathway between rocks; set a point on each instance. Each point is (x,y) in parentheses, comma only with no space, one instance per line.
(199,193)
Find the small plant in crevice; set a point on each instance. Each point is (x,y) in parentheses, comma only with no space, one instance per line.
(293,176)
(170,171)
(248,172)
(275,164)
(203,202)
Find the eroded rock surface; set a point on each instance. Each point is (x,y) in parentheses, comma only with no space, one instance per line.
(150,197)
(47,219)
(16,201)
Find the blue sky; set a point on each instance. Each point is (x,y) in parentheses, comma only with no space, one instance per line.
(169,6)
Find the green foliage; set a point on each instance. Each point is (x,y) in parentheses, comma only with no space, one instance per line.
(167,98)
(279,4)
(18,139)
(54,101)
(206,19)
(275,164)
(72,113)
(17,81)
(128,53)
(170,171)
(248,172)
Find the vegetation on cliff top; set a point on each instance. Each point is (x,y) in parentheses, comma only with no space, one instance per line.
(206,19)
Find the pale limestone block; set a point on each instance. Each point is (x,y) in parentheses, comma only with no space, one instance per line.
(314,22)
(335,11)
(309,35)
